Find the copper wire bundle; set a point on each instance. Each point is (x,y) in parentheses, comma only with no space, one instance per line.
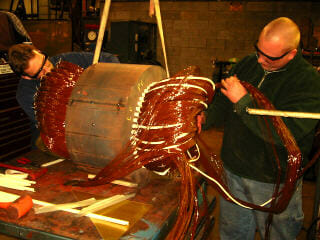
(50,105)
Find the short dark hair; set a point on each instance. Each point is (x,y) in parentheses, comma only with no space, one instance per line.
(19,56)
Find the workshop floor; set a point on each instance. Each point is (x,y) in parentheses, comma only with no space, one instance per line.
(214,141)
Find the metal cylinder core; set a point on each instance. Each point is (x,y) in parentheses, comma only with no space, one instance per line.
(100,110)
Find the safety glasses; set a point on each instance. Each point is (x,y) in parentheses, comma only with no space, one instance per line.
(267,56)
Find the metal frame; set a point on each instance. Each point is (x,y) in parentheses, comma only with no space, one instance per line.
(32,15)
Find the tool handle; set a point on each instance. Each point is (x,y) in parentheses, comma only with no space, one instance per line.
(15,168)
(20,207)
(4,204)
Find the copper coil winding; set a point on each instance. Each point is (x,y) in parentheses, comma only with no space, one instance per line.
(51,108)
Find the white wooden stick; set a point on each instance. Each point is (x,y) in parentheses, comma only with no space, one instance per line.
(279,113)
(118,182)
(105,203)
(52,162)
(22,188)
(16,174)
(124,183)
(57,207)
(13,182)
(9,181)
(9,197)
(15,178)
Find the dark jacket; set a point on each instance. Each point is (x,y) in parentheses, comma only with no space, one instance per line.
(27,88)
(246,150)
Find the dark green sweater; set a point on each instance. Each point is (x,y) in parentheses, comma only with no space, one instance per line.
(245,150)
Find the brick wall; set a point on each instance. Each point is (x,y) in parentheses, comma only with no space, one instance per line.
(197,32)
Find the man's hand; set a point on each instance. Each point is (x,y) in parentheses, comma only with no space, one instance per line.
(201,118)
(233,89)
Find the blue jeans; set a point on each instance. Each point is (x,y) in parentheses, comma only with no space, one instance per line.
(240,223)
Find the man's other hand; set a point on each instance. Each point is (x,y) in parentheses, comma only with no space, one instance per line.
(233,89)
(201,118)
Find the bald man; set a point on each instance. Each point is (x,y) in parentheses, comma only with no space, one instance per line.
(279,71)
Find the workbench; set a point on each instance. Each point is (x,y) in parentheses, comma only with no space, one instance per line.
(157,203)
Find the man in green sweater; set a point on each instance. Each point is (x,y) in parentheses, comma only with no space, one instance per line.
(280,72)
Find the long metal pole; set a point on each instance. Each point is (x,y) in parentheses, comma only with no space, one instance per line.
(279,113)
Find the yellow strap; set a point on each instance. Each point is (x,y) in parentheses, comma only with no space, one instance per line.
(102,28)
(159,22)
